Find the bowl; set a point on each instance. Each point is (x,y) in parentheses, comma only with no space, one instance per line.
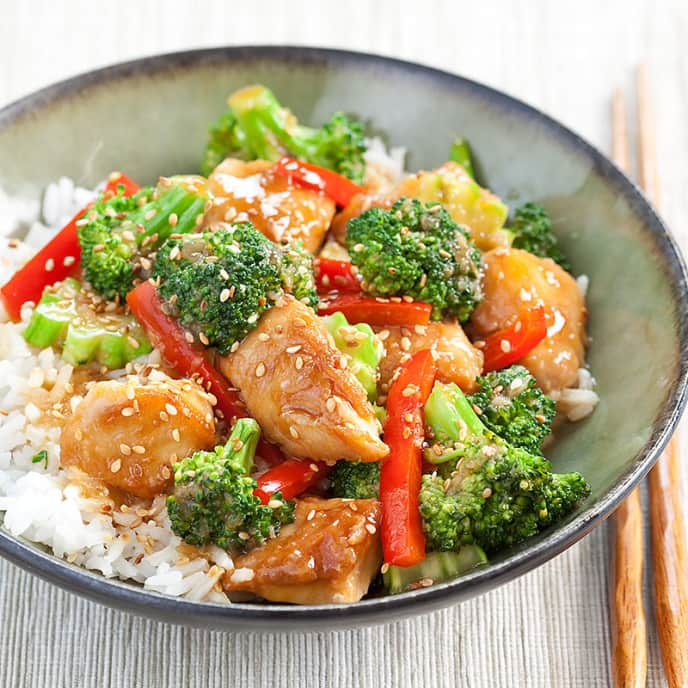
(149,117)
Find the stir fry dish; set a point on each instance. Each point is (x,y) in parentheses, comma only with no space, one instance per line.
(300,375)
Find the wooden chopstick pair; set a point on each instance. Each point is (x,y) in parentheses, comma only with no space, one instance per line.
(669,564)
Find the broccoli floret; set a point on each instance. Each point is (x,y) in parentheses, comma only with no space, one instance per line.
(532,231)
(258,126)
(219,282)
(118,230)
(362,345)
(514,407)
(355,480)
(213,500)
(496,494)
(417,250)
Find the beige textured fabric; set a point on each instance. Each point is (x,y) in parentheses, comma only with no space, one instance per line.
(549,628)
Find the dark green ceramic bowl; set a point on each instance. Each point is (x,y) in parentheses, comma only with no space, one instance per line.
(149,117)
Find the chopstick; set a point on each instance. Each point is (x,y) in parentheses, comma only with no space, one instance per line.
(669,563)
(628,632)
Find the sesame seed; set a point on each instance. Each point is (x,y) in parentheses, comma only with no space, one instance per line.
(383,334)
(78,433)
(166,472)
(479,344)
(518,326)
(406,433)
(242,575)
(189,337)
(293,432)
(275,504)
(371,528)
(293,349)
(224,295)
(69,260)
(384,568)
(299,363)
(224,274)
(540,418)
(405,344)
(477,409)
(203,338)
(175,253)
(425,582)
(243,535)
(128,235)
(134,343)
(138,449)
(116,465)
(125,449)
(487,492)
(311,514)
(505,345)
(49,264)
(260,370)
(358,248)
(252,318)
(263,336)
(151,214)
(234,347)
(175,435)
(314,467)
(409,390)
(331,404)
(172,410)
(127,411)
(173,219)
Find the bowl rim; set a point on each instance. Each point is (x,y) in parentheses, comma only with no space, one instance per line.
(135,598)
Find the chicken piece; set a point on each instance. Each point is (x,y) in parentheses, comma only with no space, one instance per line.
(478,209)
(514,280)
(297,385)
(129,433)
(329,555)
(249,191)
(457,359)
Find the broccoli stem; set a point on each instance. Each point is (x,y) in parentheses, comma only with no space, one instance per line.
(365,351)
(446,412)
(241,445)
(436,567)
(460,153)
(178,201)
(61,320)
(258,113)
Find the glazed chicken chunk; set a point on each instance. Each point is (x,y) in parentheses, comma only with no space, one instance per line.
(249,191)
(129,433)
(457,359)
(299,388)
(516,279)
(329,555)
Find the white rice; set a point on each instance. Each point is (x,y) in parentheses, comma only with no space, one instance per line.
(46,504)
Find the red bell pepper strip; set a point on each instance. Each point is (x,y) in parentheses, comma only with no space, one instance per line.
(340,189)
(187,359)
(331,275)
(377,311)
(403,542)
(55,261)
(511,344)
(291,478)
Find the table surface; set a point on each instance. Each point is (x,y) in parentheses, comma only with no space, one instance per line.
(548,628)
